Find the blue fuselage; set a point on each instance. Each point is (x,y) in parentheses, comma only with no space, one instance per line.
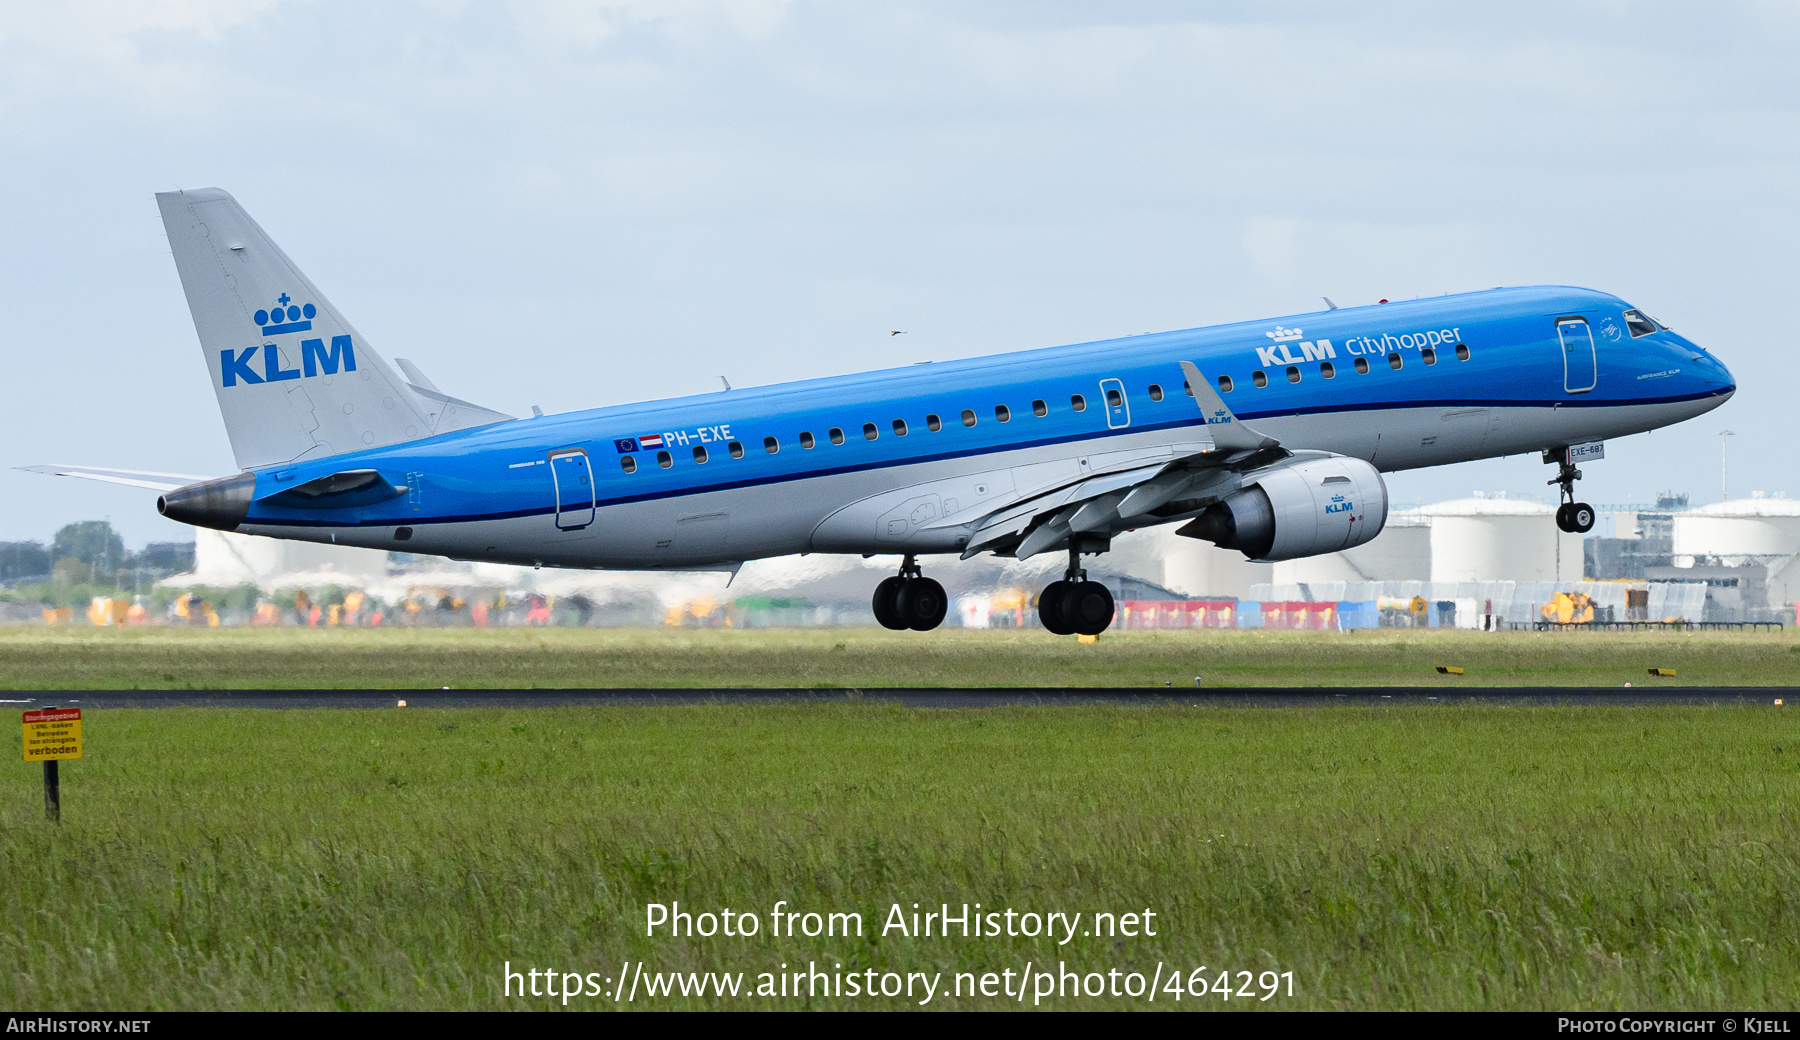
(1401,385)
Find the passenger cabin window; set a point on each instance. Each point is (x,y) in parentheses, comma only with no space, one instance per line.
(771,445)
(870,432)
(1328,370)
(664,459)
(836,435)
(933,423)
(628,464)
(1362,366)
(1259,378)
(1224,384)
(968,416)
(899,427)
(1078,402)
(1002,413)
(1462,352)
(1639,324)
(1293,373)
(1189,387)
(1039,409)
(699,454)
(1394,361)
(736,448)
(1428,355)
(1114,399)
(806,439)
(1155,392)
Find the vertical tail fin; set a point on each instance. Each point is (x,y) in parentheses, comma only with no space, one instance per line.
(294,379)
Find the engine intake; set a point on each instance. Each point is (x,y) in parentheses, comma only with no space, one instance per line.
(1302,509)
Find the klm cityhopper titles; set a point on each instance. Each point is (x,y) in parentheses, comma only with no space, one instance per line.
(1266,437)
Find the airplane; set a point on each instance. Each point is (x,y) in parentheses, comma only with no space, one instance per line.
(1265,437)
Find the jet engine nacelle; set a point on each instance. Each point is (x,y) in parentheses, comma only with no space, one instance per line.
(1301,509)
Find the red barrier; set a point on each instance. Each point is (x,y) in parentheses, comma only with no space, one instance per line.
(1177,613)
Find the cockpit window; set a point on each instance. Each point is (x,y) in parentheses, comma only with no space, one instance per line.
(1639,323)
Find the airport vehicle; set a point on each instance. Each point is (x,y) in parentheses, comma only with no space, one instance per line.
(1266,437)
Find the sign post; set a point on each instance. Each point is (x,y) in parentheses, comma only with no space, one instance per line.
(51,735)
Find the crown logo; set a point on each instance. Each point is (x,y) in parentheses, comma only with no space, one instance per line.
(284,317)
(1281,335)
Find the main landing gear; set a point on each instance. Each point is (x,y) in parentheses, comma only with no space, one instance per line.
(1572,516)
(1075,604)
(910,600)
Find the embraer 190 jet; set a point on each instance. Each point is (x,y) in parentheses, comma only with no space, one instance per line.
(1266,437)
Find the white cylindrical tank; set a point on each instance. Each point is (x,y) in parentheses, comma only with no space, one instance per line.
(225,558)
(1203,570)
(1499,539)
(1739,527)
(1401,552)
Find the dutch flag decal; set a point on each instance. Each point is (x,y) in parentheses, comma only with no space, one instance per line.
(650,441)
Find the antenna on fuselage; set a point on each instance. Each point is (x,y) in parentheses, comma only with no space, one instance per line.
(1328,304)
(727,382)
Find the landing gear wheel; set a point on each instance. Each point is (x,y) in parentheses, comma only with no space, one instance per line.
(1088,608)
(1050,610)
(920,604)
(1581,517)
(1563,523)
(887,612)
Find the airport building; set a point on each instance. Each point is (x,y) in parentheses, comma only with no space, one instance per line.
(1479,561)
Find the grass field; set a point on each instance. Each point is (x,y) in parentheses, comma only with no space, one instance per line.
(1451,857)
(1416,857)
(156,658)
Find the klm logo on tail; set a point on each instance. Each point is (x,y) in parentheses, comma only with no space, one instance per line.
(315,357)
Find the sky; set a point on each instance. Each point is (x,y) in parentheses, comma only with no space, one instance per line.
(577,204)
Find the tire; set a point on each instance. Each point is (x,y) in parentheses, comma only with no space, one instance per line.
(1563,523)
(921,604)
(1050,608)
(886,611)
(1088,608)
(1581,518)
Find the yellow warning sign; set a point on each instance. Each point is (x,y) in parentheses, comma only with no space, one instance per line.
(52,733)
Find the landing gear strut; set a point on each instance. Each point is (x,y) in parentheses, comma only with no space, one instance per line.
(910,600)
(1075,604)
(1572,516)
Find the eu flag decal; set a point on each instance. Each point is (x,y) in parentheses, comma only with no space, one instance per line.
(628,444)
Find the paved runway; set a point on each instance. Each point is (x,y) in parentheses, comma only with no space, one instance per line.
(1257,697)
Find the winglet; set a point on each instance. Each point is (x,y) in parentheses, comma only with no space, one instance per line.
(1228,434)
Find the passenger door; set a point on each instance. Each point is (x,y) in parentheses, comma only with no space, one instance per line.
(1580,367)
(574,489)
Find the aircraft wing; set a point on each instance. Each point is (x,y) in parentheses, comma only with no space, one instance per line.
(1196,476)
(131,477)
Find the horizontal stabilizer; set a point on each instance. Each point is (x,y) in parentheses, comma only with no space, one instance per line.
(131,477)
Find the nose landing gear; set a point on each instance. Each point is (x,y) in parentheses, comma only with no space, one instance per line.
(1075,604)
(1572,516)
(910,600)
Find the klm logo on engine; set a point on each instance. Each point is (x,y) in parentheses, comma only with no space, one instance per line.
(1339,504)
(1279,354)
(315,357)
